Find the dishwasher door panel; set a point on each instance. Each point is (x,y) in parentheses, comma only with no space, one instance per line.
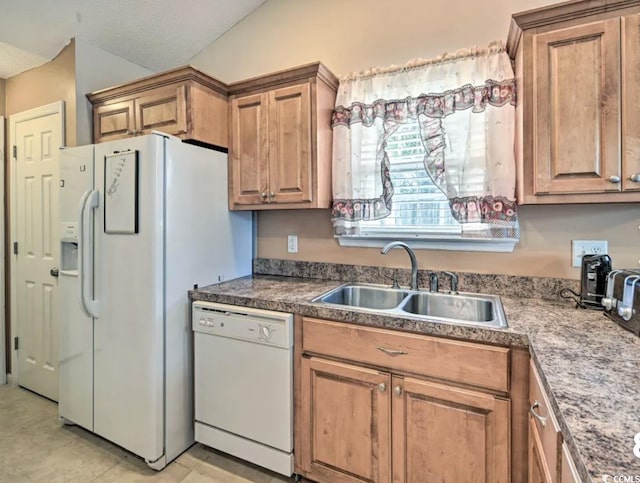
(245,388)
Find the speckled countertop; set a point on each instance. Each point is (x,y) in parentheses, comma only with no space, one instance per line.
(590,367)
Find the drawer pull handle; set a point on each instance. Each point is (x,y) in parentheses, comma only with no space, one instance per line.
(392,352)
(534,413)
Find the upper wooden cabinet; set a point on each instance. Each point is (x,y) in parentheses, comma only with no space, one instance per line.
(183,102)
(578,121)
(280,140)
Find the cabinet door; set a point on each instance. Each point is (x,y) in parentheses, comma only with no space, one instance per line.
(538,467)
(577,114)
(290,144)
(569,472)
(345,422)
(113,121)
(442,433)
(248,173)
(631,103)
(163,110)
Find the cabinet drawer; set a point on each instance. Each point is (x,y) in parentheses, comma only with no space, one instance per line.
(547,426)
(463,362)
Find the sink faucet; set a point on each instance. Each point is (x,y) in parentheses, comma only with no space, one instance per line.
(412,256)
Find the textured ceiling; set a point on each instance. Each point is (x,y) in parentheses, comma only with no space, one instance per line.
(156,34)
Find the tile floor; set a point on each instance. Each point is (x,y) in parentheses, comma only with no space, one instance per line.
(35,447)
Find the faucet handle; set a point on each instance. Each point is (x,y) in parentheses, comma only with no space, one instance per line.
(394,278)
(454,281)
(433,282)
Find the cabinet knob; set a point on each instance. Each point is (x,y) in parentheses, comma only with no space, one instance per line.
(382,387)
(263,195)
(271,194)
(635,177)
(614,179)
(397,390)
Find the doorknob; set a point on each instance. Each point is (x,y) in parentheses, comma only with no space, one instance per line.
(54,272)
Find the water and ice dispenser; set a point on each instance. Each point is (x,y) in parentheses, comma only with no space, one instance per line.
(69,248)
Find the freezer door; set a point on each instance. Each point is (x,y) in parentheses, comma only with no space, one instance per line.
(129,265)
(75,399)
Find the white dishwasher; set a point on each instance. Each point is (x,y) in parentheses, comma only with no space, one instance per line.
(243,367)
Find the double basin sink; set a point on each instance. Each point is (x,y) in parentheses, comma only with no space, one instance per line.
(455,308)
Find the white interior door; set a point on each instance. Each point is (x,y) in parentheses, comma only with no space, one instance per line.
(3,355)
(37,136)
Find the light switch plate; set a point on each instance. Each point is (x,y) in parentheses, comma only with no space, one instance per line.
(587,247)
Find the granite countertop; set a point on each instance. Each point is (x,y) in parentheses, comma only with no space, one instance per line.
(590,367)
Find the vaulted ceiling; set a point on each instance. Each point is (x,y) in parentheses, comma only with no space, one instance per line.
(156,34)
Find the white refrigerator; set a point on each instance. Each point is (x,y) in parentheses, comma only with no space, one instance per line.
(142,221)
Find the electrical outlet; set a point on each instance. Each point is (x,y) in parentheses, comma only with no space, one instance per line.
(292,243)
(579,248)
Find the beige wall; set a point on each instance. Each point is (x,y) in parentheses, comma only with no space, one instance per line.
(51,82)
(544,248)
(2,96)
(355,34)
(351,36)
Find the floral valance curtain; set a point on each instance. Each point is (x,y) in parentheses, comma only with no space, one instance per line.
(464,107)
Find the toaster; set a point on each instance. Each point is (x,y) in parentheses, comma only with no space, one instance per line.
(622,299)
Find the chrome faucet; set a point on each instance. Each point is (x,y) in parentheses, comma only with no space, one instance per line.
(412,256)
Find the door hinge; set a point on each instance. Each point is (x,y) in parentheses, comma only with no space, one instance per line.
(15,152)
(15,248)
(15,343)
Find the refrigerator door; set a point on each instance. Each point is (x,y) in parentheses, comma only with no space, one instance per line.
(129,286)
(75,401)
(205,243)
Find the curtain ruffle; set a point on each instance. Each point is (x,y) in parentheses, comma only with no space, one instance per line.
(400,111)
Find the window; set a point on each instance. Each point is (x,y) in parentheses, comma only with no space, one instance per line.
(419,206)
(420,210)
(425,154)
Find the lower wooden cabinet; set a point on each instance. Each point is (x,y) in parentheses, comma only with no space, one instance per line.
(545,438)
(448,434)
(345,422)
(539,471)
(569,473)
(359,422)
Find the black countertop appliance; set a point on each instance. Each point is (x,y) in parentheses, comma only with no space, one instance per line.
(593,280)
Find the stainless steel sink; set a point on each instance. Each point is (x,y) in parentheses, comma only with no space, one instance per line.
(364,296)
(459,308)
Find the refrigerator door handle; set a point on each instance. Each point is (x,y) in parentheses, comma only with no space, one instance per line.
(89,304)
(81,242)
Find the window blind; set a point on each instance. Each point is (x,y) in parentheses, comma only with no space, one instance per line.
(419,206)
